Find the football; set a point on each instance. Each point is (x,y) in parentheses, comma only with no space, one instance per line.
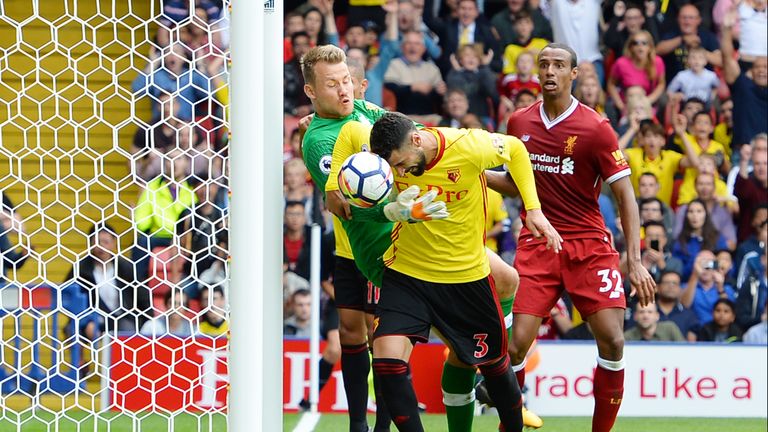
(365,179)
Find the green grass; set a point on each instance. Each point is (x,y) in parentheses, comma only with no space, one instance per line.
(488,423)
(69,421)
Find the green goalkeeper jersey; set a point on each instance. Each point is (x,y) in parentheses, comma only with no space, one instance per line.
(360,240)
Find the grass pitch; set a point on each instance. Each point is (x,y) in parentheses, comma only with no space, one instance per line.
(79,421)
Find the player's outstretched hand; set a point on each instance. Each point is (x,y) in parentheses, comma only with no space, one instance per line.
(539,226)
(337,205)
(643,285)
(409,207)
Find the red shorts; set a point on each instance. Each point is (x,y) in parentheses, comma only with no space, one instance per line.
(588,269)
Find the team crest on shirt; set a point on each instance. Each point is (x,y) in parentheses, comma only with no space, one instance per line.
(525,138)
(454,174)
(570,143)
(618,155)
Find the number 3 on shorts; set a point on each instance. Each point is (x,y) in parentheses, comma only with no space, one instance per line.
(480,338)
(608,284)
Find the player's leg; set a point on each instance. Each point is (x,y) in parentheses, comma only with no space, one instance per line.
(506,280)
(403,309)
(350,292)
(594,284)
(607,326)
(383,419)
(458,382)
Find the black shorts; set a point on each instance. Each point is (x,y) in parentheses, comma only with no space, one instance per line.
(352,289)
(468,315)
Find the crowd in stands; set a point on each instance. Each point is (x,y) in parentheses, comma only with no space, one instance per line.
(684,85)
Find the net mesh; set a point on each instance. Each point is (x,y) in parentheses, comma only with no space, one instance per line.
(113,229)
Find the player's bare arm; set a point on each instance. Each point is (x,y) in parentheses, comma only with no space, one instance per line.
(643,285)
(338,205)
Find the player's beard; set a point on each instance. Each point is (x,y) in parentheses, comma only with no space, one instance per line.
(421,166)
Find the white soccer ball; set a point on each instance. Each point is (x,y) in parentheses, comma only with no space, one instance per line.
(365,179)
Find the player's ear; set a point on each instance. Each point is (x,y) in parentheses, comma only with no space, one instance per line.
(574,73)
(309,91)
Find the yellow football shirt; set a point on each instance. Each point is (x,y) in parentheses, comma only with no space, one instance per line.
(688,187)
(663,167)
(496,213)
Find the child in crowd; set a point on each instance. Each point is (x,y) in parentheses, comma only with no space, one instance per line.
(512,84)
(524,43)
(696,81)
(723,326)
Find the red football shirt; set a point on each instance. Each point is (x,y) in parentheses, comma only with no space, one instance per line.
(571,156)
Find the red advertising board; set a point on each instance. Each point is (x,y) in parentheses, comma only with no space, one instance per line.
(168,373)
(426,367)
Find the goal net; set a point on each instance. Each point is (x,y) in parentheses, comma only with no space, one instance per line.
(114,222)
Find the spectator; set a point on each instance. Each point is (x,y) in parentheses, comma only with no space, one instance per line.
(524,42)
(623,27)
(375,68)
(671,309)
(471,74)
(590,93)
(469,27)
(705,287)
(504,22)
(695,82)
(456,107)
(751,283)
(576,24)
(707,165)
(638,66)
(292,149)
(174,75)
(201,228)
(354,37)
(472,121)
(724,259)
(522,79)
(750,189)
(722,327)
(315,22)
(13,249)
(150,143)
(296,245)
(752,243)
(724,129)
(748,25)
(698,234)
(174,321)
(294,23)
(717,208)
(295,101)
(417,83)
(297,324)
(557,324)
(749,90)
(200,38)
(213,321)
(758,333)
(655,256)
(409,17)
(648,187)
(524,99)
(689,109)
(159,207)
(675,45)
(702,144)
(649,328)
(638,109)
(109,282)
(652,210)
(650,157)
(495,218)
(297,188)
(176,12)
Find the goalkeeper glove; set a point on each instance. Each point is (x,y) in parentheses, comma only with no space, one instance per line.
(409,207)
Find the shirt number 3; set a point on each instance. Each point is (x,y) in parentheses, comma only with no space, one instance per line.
(615,288)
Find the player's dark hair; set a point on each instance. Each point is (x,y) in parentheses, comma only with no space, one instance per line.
(571,52)
(390,133)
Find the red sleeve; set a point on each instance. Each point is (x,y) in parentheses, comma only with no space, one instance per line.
(609,159)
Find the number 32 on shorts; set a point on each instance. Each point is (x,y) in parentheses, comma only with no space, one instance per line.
(611,283)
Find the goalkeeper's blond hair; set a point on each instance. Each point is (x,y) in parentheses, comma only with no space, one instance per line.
(330,54)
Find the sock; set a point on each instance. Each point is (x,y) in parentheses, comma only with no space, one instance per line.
(325,373)
(398,393)
(519,370)
(506,309)
(355,365)
(609,389)
(459,397)
(383,419)
(503,389)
